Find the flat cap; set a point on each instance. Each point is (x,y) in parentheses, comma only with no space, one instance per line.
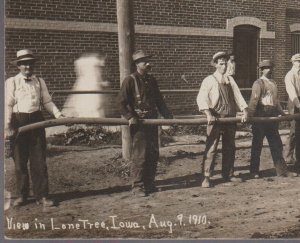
(265,63)
(218,55)
(138,55)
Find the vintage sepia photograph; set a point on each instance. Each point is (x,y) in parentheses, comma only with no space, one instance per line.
(151,120)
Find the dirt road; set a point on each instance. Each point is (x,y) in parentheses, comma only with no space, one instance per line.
(94,201)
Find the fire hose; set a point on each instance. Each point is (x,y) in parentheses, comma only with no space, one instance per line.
(163,122)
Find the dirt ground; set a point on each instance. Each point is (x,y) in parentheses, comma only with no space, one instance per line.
(91,187)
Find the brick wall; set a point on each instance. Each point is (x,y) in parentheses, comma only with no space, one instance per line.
(102,11)
(204,13)
(175,55)
(193,13)
(280,45)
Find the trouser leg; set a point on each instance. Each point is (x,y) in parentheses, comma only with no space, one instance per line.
(38,166)
(276,147)
(152,156)
(291,142)
(20,156)
(297,138)
(228,150)
(257,144)
(138,154)
(212,140)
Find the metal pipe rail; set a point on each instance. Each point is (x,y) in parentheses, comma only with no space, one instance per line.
(121,121)
(165,91)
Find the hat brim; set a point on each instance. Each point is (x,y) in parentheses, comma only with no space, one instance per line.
(141,58)
(270,66)
(15,62)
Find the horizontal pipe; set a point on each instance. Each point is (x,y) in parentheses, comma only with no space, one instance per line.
(67,91)
(121,121)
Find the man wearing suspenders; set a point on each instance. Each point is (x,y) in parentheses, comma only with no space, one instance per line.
(264,102)
(25,94)
(219,96)
(140,97)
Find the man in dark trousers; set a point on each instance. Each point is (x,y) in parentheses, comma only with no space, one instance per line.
(140,98)
(264,102)
(25,94)
(218,97)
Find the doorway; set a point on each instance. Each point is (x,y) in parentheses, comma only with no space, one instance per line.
(246,50)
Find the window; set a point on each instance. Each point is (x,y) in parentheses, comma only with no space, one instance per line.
(295,42)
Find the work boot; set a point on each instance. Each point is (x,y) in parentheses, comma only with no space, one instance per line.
(254,175)
(45,202)
(235,179)
(138,191)
(20,201)
(289,174)
(151,188)
(206,182)
(232,178)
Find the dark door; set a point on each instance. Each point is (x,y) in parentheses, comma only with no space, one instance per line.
(245,46)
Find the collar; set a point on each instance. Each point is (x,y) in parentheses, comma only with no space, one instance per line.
(24,78)
(296,71)
(219,77)
(140,76)
(264,78)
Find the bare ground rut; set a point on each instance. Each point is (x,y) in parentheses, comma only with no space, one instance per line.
(94,201)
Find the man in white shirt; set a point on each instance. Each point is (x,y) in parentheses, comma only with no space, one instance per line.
(292,84)
(219,96)
(25,94)
(264,102)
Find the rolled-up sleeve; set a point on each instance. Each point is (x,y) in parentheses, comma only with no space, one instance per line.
(291,89)
(9,100)
(47,100)
(203,95)
(238,97)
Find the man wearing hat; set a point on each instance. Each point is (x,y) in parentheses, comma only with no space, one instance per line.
(219,96)
(264,102)
(292,84)
(25,94)
(140,98)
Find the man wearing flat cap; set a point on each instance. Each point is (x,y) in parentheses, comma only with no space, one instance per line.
(292,84)
(25,94)
(219,96)
(264,102)
(140,98)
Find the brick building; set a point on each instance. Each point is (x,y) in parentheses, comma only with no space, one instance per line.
(183,35)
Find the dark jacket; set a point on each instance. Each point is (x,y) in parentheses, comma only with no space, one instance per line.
(151,99)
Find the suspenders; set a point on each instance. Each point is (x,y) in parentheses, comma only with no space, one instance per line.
(137,92)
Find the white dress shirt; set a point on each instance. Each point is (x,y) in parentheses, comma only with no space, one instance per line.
(25,96)
(292,85)
(209,94)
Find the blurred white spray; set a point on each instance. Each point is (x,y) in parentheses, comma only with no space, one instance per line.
(89,70)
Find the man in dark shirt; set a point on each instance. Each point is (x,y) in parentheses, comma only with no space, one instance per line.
(140,98)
